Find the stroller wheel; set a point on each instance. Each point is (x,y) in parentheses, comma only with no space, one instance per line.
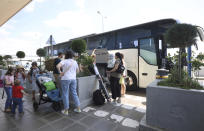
(56,106)
(35,106)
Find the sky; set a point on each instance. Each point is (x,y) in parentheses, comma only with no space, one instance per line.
(30,28)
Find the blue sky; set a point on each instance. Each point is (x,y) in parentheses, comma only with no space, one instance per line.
(30,28)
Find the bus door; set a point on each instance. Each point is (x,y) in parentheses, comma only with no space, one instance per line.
(147,61)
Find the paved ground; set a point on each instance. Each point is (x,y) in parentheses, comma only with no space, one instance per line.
(109,117)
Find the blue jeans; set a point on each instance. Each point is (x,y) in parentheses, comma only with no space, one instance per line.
(19,102)
(9,97)
(69,85)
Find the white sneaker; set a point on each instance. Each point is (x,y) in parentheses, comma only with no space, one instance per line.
(77,110)
(119,100)
(65,112)
(114,102)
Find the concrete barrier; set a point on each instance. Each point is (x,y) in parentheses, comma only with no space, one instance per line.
(174,109)
(85,88)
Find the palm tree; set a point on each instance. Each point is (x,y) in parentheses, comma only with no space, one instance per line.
(181,36)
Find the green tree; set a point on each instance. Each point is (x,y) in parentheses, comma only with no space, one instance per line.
(49,64)
(41,53)
(197,62)
(20,54)
(200,57)
(1,58)
(181,36)
(78,46)
(6,57)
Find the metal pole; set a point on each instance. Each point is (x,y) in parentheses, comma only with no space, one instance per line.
(189,59)
(102,23)
(51,45)
(102,20)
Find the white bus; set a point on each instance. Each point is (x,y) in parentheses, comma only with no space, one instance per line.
(143,47)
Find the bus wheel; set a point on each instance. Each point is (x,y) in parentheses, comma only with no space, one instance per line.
(131,81)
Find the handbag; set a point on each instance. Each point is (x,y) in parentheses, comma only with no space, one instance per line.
(121,68)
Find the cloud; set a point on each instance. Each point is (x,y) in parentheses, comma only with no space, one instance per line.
(4,32)
(80,3)
(18,44)
(32,35)
(31,6)
(39,1)
(28,42)
(76,22)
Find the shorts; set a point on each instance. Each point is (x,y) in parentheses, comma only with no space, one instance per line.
(122,80)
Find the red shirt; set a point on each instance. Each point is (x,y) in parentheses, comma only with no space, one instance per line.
(16,91)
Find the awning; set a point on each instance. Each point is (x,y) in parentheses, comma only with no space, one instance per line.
(9,8)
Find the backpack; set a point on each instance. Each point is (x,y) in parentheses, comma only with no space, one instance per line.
(98,98)
(121,68)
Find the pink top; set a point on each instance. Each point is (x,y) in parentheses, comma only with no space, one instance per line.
(9,80)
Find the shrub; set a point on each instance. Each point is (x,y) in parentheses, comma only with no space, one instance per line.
(41,52)
(49,64)
(20,54)
(6,57)
(78,46)
(1,58)
(85,61)
(185,82)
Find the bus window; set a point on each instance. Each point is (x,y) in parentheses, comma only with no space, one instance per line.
(120,45)
(128,38)
(147,50)
(160,44)
(103,41)
(136,43)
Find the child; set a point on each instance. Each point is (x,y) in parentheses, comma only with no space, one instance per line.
(32,76)
(20,75)
(17,94)
(122,78)
(9,81)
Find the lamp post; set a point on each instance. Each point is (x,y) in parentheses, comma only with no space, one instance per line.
(102,20)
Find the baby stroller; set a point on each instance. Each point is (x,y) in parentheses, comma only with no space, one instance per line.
(48,92)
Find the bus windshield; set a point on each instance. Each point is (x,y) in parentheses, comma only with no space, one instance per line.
(148,51)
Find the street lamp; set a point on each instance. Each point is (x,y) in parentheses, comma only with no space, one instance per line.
(102,20)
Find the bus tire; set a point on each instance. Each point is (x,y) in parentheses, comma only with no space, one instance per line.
(131,81)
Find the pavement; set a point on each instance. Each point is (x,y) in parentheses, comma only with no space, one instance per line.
(108,117)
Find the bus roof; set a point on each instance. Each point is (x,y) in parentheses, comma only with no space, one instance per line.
(164,23)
